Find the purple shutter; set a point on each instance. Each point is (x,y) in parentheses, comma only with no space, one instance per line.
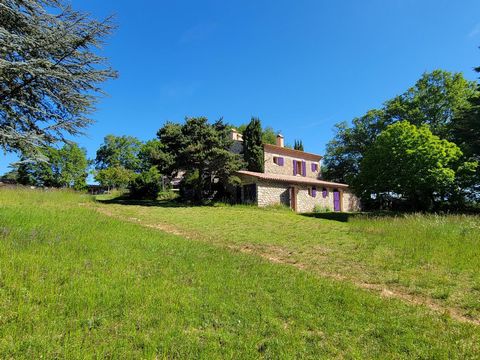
(280,161)
(314,191)
(304,168)
(313,167)
(324,193)
(294,167)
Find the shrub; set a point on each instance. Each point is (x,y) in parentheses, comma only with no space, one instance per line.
(318,209)
(147,185)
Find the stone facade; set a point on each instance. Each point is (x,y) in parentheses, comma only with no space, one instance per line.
(280,181)
(287,168)
(276,193)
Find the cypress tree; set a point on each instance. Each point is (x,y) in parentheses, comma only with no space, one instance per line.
(253,146)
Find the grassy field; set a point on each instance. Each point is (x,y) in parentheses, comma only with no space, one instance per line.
(80,279)
(433,260)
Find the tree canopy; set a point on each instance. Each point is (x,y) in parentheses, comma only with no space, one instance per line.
(50,73)
(438,100)
(66,167)
(119,151)
(202,151)
(411,163)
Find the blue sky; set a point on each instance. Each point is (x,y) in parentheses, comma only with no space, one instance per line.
(301,66)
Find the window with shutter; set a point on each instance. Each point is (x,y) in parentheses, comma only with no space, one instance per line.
(324,192)
(304,168)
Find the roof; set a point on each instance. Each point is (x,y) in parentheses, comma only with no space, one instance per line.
(290,179)
(291,152)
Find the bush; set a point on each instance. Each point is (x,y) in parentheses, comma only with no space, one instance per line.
(147,185)
(318,209)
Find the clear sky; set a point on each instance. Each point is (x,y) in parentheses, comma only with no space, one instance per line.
(300,66)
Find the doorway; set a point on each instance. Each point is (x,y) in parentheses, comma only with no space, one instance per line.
(293,198)
(336,200)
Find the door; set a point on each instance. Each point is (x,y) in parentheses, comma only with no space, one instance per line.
(293,198)
(336,200)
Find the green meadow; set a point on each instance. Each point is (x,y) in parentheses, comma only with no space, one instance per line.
(82,278)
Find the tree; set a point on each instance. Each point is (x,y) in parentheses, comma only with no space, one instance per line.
(253,146)
(119,151)
(147,185)
(298,145)
(410,163)
(50,74)
(202,150)
(269,135)
(116,177)
(436,100)
(345,151)
(65,167)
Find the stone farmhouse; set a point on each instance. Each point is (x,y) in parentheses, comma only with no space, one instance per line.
(292,178)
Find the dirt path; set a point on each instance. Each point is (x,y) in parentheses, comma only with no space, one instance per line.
(280,255)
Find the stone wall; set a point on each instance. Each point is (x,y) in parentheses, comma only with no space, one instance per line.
(287,168)
(274,193)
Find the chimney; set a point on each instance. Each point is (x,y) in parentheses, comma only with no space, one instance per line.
(280,140)
(233,134)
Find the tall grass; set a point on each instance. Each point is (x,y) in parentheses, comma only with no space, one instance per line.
(435,257)
(77,284)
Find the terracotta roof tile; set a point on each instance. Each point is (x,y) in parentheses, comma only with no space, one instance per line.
(290,179)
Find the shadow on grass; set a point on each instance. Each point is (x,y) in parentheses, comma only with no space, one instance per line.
(345,217)
(125,200)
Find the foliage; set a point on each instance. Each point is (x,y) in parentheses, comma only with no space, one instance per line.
(151,154)
(145,293)
(410,163)
(202,150)
(253,146)
(50,74)
(147,185)
(436,100)
(320,209)
(65,167)
(119,151)
(269,135)
(298,145)
(445,102)
(116,177)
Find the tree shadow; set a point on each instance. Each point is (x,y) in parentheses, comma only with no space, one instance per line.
(127,201)
(345,217)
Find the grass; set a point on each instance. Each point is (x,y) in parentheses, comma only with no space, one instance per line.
(75,283)
(433,258)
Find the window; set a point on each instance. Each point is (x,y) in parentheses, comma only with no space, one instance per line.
(299,167)
(314,167)
(324,193)
(312,191)
(278,160)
